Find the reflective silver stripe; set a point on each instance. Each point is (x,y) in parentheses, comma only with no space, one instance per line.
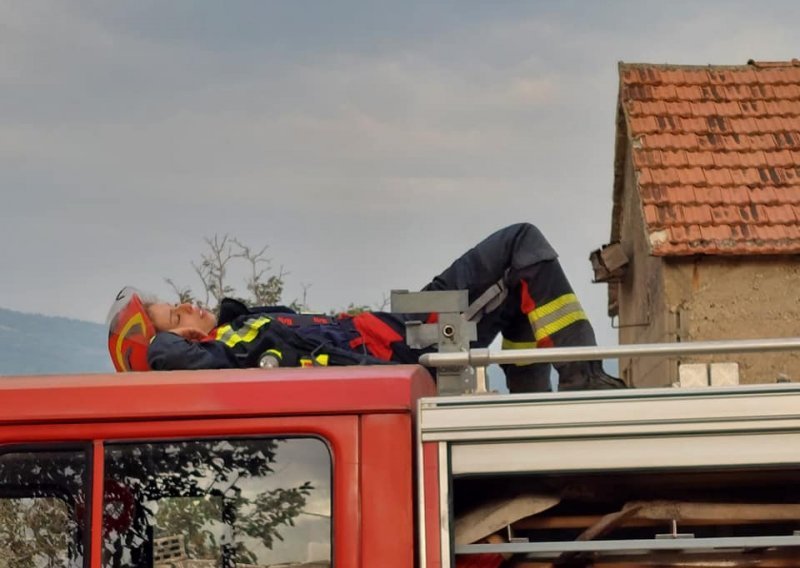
(562,311)
(226,335)
(249,331)
(246,333)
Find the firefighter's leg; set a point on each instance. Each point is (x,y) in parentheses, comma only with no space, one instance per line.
(557,320)
(499,254)
(538,290)
(524,377)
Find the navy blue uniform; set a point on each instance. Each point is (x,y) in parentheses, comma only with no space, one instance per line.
(540,310)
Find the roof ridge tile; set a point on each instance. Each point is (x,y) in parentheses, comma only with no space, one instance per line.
(794,62)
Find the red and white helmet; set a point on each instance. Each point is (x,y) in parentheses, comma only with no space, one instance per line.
(129,330)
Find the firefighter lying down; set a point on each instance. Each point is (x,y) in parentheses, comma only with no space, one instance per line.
(540,309)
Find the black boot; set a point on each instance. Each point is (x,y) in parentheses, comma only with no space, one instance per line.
(586,375)
(528,378)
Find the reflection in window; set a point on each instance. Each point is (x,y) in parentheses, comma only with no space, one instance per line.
(253,502)
(42,505)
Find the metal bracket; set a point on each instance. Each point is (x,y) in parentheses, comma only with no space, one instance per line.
(452,333)
(674,532)
(618,325)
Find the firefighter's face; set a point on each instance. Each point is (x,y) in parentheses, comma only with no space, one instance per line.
(166,317)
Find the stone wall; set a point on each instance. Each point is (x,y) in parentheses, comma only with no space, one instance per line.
(753,297)
(643,312)
(702,298)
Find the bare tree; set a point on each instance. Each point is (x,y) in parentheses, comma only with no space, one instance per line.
(213,268)
(262,287)
(265,289)
(184,293)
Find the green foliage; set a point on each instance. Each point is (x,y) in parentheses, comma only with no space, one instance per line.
(200,489)
(34,532)
(270,510)
(352,310)
(41,505)
(193,488)
(190,517)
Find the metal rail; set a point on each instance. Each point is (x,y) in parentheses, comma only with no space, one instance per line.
(483,357)
(628,545)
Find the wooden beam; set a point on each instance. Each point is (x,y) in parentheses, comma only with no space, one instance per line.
(655,513)
(497,514)
(602,527)
(584,521)
(769,559)
(687,511)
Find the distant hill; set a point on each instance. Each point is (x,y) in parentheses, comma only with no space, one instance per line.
(33,344)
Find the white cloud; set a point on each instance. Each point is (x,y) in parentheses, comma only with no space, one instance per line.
(131,130)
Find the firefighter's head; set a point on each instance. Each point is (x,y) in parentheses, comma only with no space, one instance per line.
(135,318)
(130,330)
(170,317)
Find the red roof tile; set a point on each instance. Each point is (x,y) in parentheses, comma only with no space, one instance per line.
(764,194)
(725,214)
(716,156)
(709,194)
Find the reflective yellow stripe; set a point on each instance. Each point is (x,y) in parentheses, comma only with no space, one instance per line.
(550,307)
(554,316)
(274,352)
(231,338)
(136,320)
(320,360)
(508,344)
(559,324)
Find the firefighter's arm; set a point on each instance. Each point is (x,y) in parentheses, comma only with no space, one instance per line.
(190,333)
(171,352)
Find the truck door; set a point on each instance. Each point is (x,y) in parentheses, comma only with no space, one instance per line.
(200,493)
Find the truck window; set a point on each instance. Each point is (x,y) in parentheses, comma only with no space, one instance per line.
(42,507)
(231,502)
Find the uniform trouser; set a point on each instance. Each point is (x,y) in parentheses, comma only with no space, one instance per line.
(540,310)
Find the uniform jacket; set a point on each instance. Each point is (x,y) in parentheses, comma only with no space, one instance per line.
(244,335)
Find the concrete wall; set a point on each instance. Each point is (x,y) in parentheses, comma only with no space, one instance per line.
(738,298)
(644,315)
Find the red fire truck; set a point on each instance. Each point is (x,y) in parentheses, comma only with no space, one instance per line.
(366,467)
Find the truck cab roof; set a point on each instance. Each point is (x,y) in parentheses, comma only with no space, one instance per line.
(217,393)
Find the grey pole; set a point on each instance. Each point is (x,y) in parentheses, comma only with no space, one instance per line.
(483,357)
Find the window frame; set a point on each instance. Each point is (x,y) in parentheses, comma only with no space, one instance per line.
(84,447)
(265,437)
(340,432)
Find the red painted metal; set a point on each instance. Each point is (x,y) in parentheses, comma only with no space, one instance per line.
(220,393)
(96,500)
(433,529)
(363,413)
(340,432)
(387,500)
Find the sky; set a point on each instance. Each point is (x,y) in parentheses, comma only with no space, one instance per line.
(367,143)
